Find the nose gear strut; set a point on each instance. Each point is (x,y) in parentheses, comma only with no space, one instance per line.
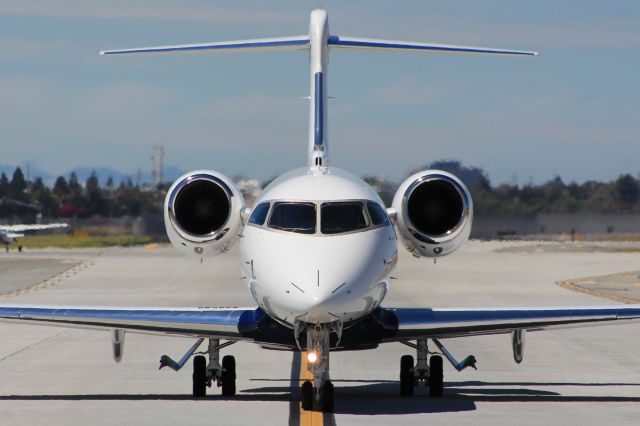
(320,393)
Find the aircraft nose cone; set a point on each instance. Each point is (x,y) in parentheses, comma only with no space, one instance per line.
(321,278)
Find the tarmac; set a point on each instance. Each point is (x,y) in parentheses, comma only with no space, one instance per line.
(585,376)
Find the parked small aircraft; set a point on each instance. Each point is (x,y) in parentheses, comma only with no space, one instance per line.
(10,233)
(317,252)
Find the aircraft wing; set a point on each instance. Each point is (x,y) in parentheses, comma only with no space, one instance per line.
(232,324)
(411,323)
(31,227)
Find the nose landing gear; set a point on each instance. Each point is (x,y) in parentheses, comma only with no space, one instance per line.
(318,394)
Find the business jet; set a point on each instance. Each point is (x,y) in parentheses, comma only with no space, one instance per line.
(10,233)
(317,251)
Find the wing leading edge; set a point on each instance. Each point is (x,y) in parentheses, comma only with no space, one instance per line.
(410,323)
(386,324)
(233,324)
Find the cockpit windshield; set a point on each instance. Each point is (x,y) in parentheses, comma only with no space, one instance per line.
(336,217)
(341,217)
(293,217)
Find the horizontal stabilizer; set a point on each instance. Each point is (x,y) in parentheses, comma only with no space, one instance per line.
(277,43)
(369,43)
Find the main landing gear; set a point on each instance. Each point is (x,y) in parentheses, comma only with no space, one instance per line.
(427,370)
(320,396)
(204,375)
(223,375)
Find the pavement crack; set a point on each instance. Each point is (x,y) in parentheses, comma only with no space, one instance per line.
(33,345)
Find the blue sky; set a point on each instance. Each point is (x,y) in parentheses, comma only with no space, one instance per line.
(573,111)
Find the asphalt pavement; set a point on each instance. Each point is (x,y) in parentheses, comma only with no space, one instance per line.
(55,376)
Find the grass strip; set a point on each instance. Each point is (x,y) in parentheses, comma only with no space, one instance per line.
(75,241)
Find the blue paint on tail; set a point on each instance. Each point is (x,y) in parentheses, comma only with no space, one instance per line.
(318,138)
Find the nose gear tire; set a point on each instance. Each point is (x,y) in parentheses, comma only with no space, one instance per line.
(307,395)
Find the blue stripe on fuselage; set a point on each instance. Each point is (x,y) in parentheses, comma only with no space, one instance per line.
(318,136)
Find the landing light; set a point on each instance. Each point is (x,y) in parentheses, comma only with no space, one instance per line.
(312,357)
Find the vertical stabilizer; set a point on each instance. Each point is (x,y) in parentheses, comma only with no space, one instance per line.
(319,61)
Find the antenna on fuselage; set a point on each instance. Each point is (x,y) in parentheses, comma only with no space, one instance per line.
(317,43)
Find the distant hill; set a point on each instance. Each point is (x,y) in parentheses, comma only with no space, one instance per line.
(8,171)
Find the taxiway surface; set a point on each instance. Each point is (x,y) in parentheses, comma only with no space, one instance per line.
(55,376)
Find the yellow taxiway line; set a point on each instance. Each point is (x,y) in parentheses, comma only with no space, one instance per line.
(574,285)
(308,418)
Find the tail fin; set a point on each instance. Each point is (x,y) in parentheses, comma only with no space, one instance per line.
(318,43)
(277,43)
(369,43)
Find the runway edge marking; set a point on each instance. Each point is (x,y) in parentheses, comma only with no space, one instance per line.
(49,282)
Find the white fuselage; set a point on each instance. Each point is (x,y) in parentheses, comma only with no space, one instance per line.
(318,277)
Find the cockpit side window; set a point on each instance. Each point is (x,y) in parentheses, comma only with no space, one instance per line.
(341,217)
(293,217)
(259,214)
(377,213)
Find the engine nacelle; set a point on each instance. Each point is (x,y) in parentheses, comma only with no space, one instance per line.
(434,212)
(202,213)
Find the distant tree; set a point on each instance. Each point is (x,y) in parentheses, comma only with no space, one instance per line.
(473,177)
(626,190)
(18,186)
(76,196)
(554,190)
(37,188)
(43,198)
(384,188)
(92,184)
(4,185)
(61,188)
(128,199)
(95,200)
(74,183)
